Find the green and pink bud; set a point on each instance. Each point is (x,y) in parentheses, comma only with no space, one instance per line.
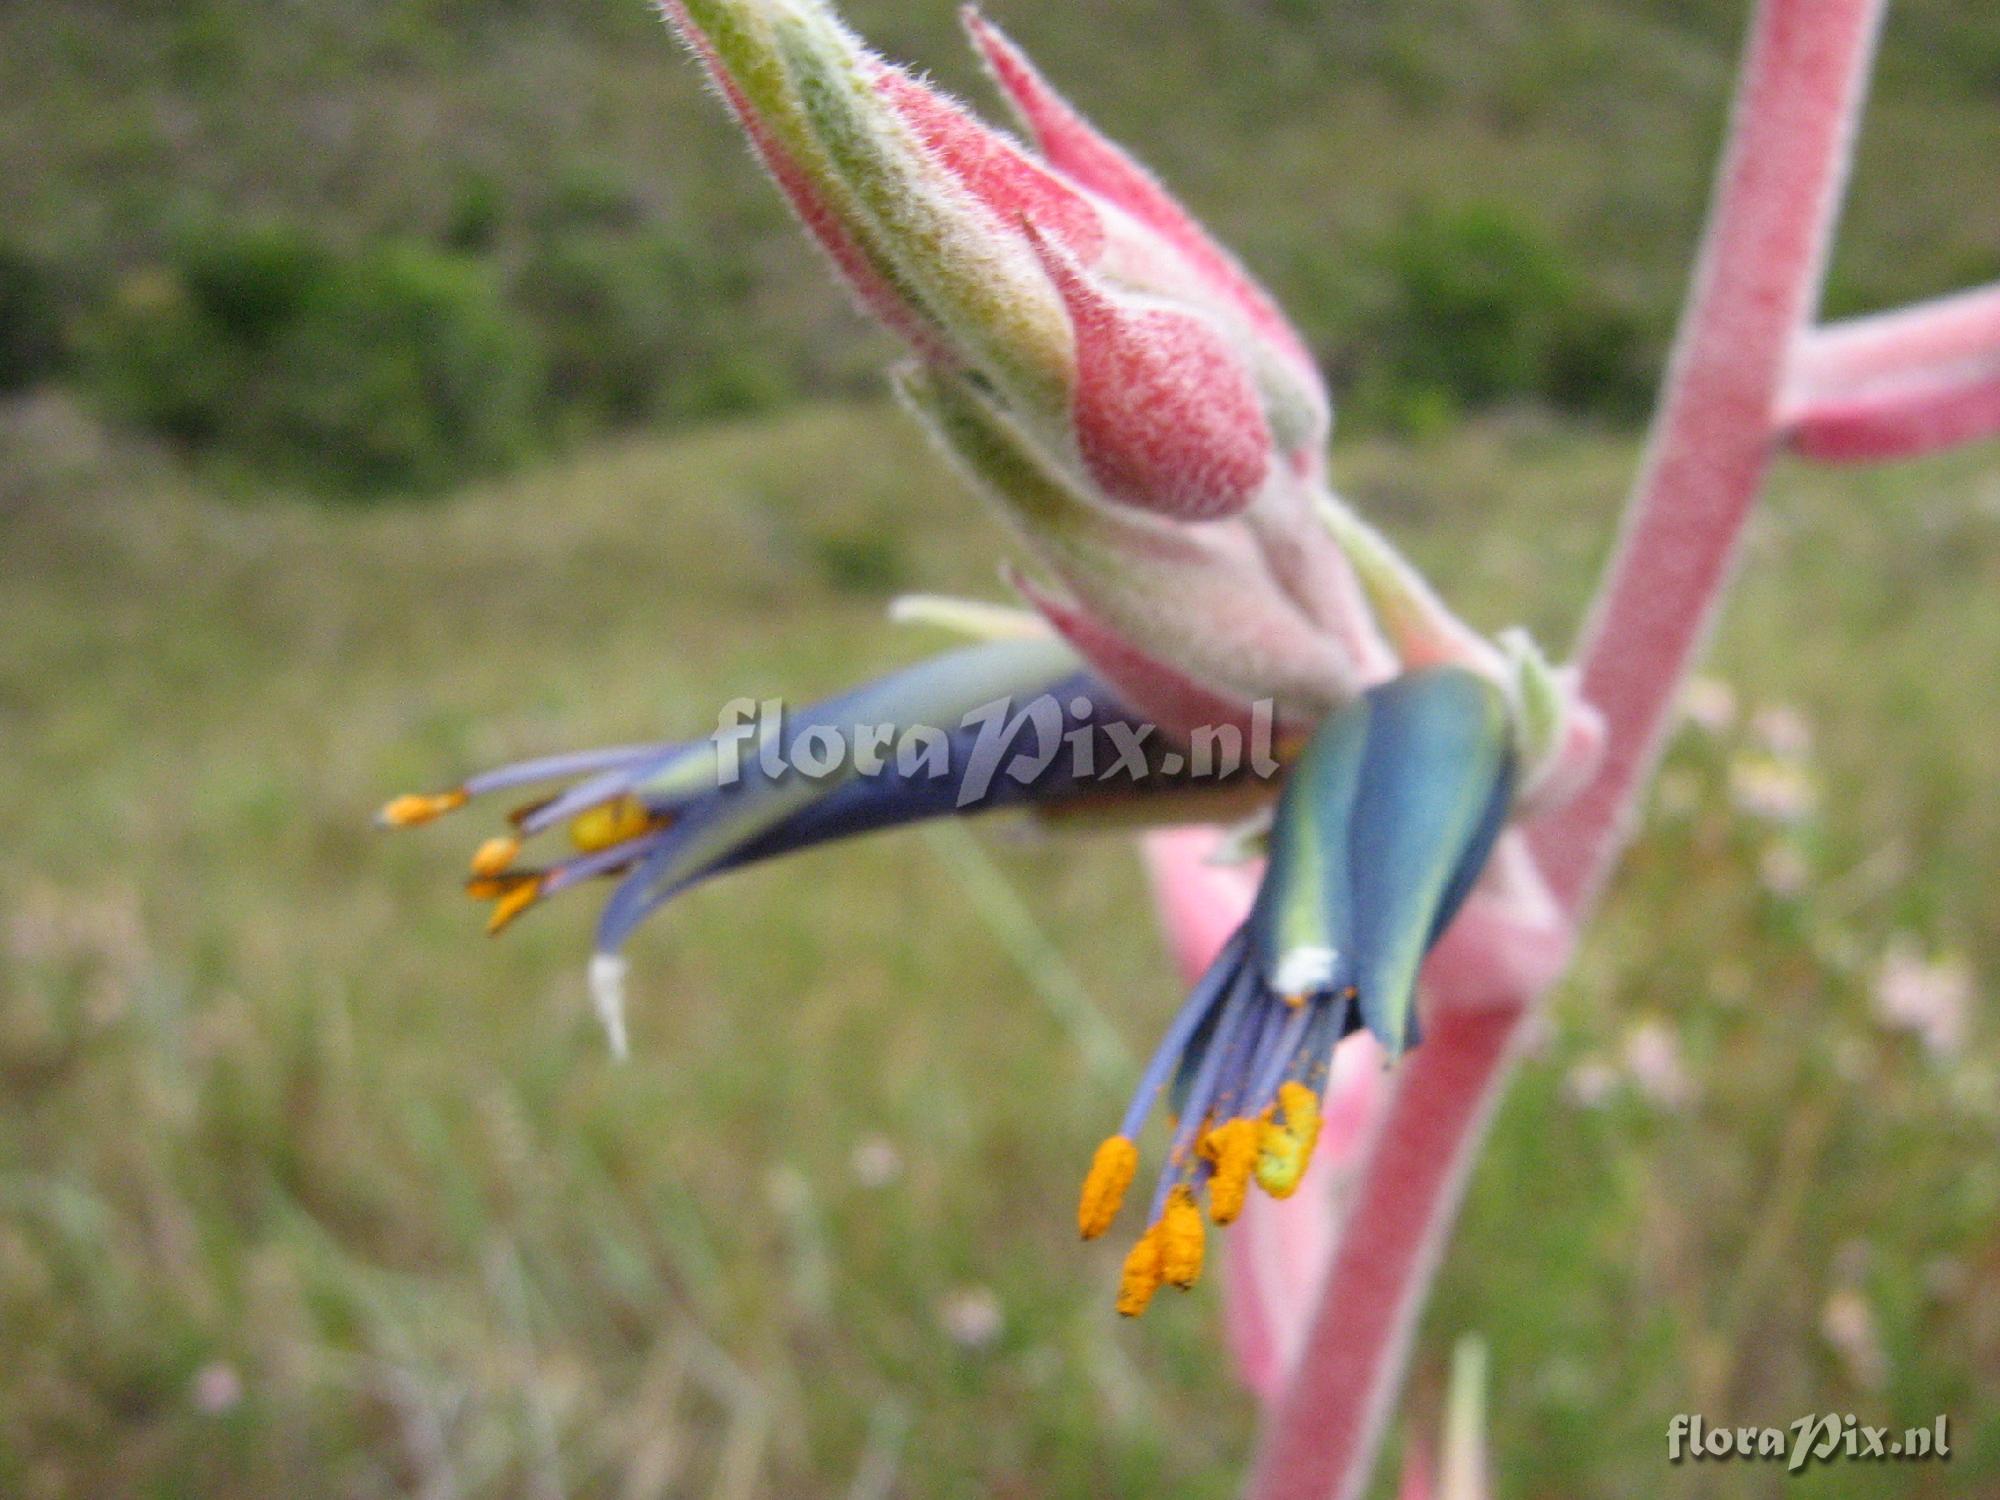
(1131,349)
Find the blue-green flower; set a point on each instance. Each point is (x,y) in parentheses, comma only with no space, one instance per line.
(1384,824)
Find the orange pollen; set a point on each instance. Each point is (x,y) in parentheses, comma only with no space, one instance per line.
(1181,1240)
(1232,1147)
(1104,1185)
(514,900)
(493,856)
(1141,1276)
(1301,1107)
(1284,1150)
(1281,1160)
(611,823)
(413,808)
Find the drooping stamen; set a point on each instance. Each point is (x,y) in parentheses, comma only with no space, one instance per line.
(561,767)
(1231,1149)
(1187,1021)
(516,896)
(607,786)
(612,861)
(1283,1047)
(1141,1275)
(412,808)
(1240,1012)
(1283,1149)
(495,855)
(1181,1240)
(1111,1173)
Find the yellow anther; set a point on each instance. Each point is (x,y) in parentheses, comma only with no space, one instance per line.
(1281,1160)
(1141,1276)
(1301,1107)
(1232,1147)
(517,898)
(1104,1185)
(1297,998)
(1181,1240)
(611,823)
(493,856)
(413,808)
(1283,1150)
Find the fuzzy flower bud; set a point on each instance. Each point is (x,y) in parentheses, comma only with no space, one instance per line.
(1133,351)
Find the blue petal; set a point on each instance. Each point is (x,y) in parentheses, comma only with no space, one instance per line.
(1436,781)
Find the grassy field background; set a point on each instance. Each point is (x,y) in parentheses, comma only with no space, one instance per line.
(306,1187)
(379,245)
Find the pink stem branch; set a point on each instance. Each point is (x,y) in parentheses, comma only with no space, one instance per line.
(1898,384)
(1842,358)
(1916,417)
(1798,102)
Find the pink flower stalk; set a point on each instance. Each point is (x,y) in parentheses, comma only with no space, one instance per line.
(1746,375)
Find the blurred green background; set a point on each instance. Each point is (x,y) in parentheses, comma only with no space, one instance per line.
(387,389)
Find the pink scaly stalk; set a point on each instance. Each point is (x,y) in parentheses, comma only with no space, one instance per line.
(1798,103)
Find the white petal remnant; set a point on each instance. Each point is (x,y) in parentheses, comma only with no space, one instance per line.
(607,998)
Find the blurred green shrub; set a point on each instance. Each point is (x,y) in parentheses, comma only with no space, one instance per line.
(397,367)
(638,323)
(1472,307)
(31,323)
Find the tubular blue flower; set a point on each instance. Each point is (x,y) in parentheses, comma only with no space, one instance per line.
(1385,822)
(1004,724)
